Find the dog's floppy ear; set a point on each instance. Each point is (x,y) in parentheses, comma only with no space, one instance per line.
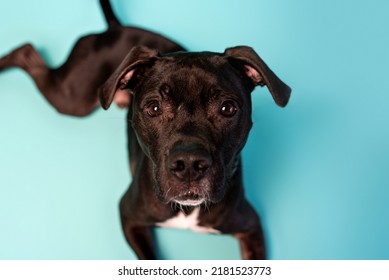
(123,79)
(257,70)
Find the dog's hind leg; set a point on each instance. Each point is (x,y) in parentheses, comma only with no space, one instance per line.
(48,82)
(27,58)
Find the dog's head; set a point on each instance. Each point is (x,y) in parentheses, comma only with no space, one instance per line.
(191,113)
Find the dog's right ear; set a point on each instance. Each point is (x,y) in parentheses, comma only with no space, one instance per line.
(126,75)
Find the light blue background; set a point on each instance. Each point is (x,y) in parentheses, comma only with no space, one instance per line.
(317,171)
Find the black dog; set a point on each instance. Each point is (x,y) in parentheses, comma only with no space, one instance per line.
(190,116)
(72,88)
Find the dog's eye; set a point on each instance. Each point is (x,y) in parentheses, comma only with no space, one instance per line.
(228,109)
(153,109)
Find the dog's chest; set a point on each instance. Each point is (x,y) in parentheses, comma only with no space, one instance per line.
(190,221)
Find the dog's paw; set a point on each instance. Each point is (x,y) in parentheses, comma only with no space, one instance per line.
(24,57)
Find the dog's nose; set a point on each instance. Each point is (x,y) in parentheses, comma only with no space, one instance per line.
(189,162)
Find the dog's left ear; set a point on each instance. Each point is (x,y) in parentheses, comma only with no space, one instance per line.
(257,70)
(126,76)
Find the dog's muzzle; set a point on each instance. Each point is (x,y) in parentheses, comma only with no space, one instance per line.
(188,165)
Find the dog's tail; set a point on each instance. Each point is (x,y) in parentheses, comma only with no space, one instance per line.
(108,14)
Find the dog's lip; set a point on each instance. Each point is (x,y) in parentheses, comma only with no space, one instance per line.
(189,198)
(189,202)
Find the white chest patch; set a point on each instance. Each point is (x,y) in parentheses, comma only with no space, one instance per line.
(187,222)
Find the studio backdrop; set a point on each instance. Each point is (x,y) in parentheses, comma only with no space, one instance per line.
(316,171)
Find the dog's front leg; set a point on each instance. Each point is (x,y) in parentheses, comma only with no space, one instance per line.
(248,230)
(252,245)
(141,241)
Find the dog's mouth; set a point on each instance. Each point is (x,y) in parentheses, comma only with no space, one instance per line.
(189,199)
(189,202)
(194,194)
